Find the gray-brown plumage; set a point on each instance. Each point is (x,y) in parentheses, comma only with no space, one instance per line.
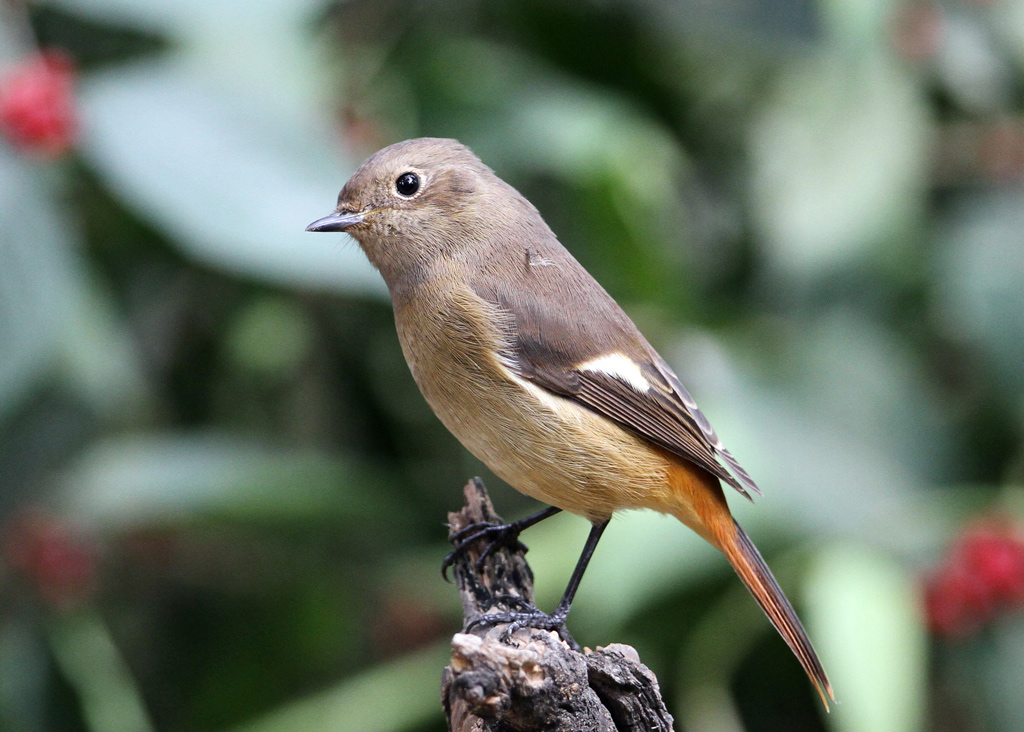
(533,366)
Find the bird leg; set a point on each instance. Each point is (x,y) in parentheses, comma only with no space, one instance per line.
(496,535)
(534,618)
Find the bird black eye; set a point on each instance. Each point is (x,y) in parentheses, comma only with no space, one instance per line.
(407,184)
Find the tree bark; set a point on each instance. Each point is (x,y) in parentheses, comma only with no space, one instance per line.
(530,679)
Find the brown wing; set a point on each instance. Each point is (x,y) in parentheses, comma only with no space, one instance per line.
(551,342)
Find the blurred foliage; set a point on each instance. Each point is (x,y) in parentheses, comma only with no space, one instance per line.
(223,495)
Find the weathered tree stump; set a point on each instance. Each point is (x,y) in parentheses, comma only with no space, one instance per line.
(531,679)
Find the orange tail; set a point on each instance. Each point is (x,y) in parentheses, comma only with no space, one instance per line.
(751,568)
(700,504)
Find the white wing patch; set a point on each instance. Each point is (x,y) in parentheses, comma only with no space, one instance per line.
(618,367)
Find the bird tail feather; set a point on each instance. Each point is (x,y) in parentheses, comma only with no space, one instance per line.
(698,501)
(752,569)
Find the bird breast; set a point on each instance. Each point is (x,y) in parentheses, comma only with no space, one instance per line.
(542,444)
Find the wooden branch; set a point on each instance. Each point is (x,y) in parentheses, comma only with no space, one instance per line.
(531,679)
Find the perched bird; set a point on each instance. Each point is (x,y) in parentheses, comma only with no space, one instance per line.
(537,370)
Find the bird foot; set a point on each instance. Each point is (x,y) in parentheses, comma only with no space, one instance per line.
(496,535)
(530,617)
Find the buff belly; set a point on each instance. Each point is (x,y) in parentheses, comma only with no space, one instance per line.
(548,447)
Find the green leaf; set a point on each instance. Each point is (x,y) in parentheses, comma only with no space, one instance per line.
(389,698)
(981,280)
(93,666)
(158,478)
(192,16)
(863,614)
(1001,675)
(858,25)
(869,383)
(24,672)
(539,120)
(33,279)
(52,315)
(231,177)
(840,156)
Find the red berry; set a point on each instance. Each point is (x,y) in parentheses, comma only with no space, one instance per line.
(957,602)
(994,552)
(58,561)
(983,575)
(37,110)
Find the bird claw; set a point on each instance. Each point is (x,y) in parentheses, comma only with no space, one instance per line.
(530,618)
(497,535)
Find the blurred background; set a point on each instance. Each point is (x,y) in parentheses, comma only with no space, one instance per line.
(223,499)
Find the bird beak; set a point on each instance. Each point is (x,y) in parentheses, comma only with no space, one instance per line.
(338,221)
